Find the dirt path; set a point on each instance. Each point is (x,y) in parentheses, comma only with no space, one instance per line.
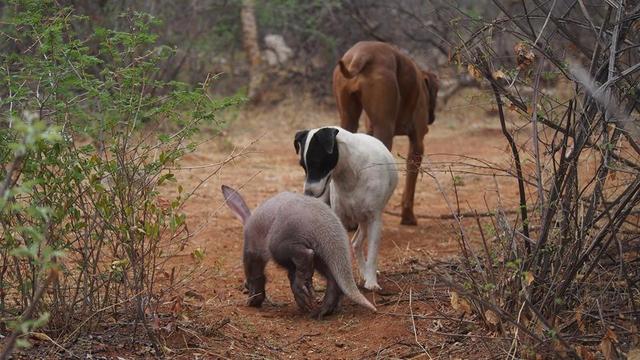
(278,329)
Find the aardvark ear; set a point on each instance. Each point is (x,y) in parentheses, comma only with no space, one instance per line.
(327,138)
(235,202)
(299,139)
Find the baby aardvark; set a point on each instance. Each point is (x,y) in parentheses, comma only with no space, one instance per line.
(301,234)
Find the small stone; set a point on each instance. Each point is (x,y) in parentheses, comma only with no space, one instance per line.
(339,344)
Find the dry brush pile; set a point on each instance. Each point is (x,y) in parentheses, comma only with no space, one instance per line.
(560,278)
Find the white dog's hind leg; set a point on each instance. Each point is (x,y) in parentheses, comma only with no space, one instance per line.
(358,247)
(373,238)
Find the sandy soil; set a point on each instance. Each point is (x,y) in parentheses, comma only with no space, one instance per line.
(227,328)
(204,314)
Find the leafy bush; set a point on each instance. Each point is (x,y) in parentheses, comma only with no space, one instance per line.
(88,138)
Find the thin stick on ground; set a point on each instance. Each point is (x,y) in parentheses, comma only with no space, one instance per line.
(413,325)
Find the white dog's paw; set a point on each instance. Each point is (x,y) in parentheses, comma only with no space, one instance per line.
(372,285)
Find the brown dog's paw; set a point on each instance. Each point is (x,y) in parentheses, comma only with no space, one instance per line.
(407,217)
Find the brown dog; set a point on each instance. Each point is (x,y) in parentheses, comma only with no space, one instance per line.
(398,98)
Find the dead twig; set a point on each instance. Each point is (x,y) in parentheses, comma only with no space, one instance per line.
(413,325)
(463,214)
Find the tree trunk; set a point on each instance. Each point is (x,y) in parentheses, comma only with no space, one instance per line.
(250,42)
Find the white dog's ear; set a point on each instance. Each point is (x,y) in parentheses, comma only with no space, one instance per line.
(299,139)
(327,138)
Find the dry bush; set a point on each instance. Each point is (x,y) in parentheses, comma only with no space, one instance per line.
(562,277)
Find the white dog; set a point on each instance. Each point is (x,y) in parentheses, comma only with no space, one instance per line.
(357,174)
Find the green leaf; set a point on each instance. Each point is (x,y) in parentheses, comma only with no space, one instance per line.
(23,343)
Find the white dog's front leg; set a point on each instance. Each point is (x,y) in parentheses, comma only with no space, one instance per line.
(373,239)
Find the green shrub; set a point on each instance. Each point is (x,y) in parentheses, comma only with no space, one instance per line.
(83,156)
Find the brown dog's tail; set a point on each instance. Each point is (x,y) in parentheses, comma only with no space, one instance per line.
(355,66)
(343,69)
(433,84)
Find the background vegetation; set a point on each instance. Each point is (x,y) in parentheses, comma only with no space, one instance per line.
(100,99)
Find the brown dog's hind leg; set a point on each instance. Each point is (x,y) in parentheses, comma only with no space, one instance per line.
(414,159)
(350,108)
(384,134)
(381,102)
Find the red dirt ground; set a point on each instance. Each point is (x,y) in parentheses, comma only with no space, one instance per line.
(415,319)
(278,329)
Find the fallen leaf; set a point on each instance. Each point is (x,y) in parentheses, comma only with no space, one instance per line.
(608,350)
(607,345)
(455,301)
(513,107)
(634,354)
(460,304)
(524,55)
(492,317)
(528,277)
(579,320)
(612,335)
(499,75)
(584,353)
(465,306)
(40,336)
(560,350)
(194,294)
(474,72)
(176,308)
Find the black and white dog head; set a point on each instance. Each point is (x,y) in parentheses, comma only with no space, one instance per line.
(318,151)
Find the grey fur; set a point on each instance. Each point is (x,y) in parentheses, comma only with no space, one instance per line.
(302,234)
